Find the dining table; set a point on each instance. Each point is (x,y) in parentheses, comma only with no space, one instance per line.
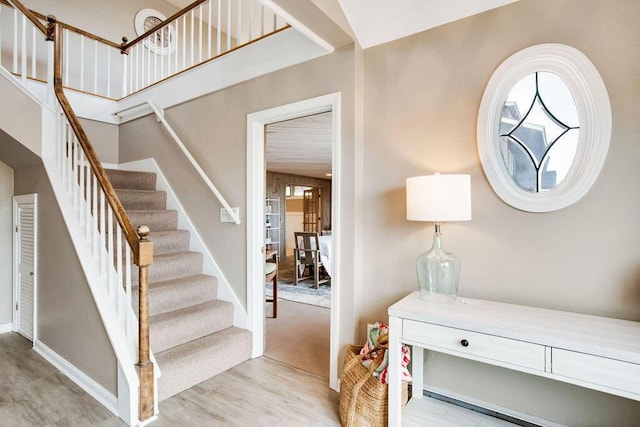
(326,252)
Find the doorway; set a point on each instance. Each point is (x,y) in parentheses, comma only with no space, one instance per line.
(24,265)
(298,166)
(256,185)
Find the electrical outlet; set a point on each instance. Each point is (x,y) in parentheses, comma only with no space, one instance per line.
(225,216)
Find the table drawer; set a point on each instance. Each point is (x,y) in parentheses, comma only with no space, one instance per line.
(596,370)
(476,345)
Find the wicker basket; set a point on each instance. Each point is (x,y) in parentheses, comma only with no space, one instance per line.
(363,398)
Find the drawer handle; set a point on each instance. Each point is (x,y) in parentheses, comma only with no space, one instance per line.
(464,343)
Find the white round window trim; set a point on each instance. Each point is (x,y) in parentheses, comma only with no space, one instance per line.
(594,114)
(139,21)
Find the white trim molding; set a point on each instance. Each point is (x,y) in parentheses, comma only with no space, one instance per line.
(594,113)
(95,390)
(256,123)
(7,327)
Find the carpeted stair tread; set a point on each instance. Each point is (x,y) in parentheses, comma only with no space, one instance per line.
(131,179)
(187,324)
(171,266)
(142,199)
(169,241)
(189,364)
(156,220)
(180,293)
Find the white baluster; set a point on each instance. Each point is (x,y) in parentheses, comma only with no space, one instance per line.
(137,67)
(33,52)
(200,37)
(193,29)
(81,181)
(119,256)
(127,279)
(250,20)
(177,45)
(218,28)
(148,63)
(96,213)
(110,254)
(108,49)
(275,18)
(209,41)
(23,48)
(163,55)
(262,19)
(239,36)
(95,67)
(15,41)
(155,56)
(228,25)
(74,174)
(88,204)
(184,41)
(81,63)
(103,235)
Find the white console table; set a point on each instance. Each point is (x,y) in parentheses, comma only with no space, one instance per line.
(594,352)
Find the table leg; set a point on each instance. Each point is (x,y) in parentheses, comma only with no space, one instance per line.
(417,367)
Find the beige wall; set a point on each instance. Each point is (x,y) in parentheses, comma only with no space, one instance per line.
(422,96)
(68,320)
(214,129)
(6,244)
(104,137)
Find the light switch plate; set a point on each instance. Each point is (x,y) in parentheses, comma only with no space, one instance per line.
(225,216)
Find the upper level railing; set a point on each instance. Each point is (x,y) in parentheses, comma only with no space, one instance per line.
(202,31)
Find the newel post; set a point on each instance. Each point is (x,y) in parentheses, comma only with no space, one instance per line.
(145,367)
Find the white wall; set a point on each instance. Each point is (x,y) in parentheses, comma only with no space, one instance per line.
(6,243)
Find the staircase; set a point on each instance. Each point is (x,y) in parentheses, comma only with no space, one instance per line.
(191,331)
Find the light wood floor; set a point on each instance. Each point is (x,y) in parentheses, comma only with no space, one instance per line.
(299,337)
(259,392)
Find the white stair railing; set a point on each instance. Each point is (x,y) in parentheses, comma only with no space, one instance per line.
(106,243)
(202,31)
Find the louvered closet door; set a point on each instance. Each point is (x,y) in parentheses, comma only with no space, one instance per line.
(26,268)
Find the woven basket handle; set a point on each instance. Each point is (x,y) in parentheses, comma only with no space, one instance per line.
(356,388)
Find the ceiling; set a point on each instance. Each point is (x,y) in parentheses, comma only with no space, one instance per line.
(375,21)
(300,146)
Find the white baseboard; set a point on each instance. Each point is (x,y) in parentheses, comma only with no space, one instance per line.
(95,390)
(7,327)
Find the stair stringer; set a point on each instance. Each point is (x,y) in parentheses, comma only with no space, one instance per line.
(196,243)
(124,349)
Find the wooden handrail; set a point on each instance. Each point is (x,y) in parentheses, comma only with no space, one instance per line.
(92,157)
(26,12)
(141,247)
(163,24)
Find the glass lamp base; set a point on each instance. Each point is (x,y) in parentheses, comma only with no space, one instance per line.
(438,273)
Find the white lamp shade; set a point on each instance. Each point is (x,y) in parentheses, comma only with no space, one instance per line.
(439,198)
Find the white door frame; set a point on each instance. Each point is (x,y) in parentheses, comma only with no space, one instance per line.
(29,199)
(256,174)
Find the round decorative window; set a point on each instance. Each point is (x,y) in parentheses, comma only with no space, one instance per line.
(544,128)
(162,42)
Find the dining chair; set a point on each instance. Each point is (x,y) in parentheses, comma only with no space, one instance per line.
(271,275)
(307,258)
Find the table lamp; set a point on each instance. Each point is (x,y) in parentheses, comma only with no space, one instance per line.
(438,198)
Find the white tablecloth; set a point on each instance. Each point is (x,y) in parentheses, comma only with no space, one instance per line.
(326,250)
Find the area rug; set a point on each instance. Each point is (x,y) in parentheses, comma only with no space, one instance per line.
(304,293)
